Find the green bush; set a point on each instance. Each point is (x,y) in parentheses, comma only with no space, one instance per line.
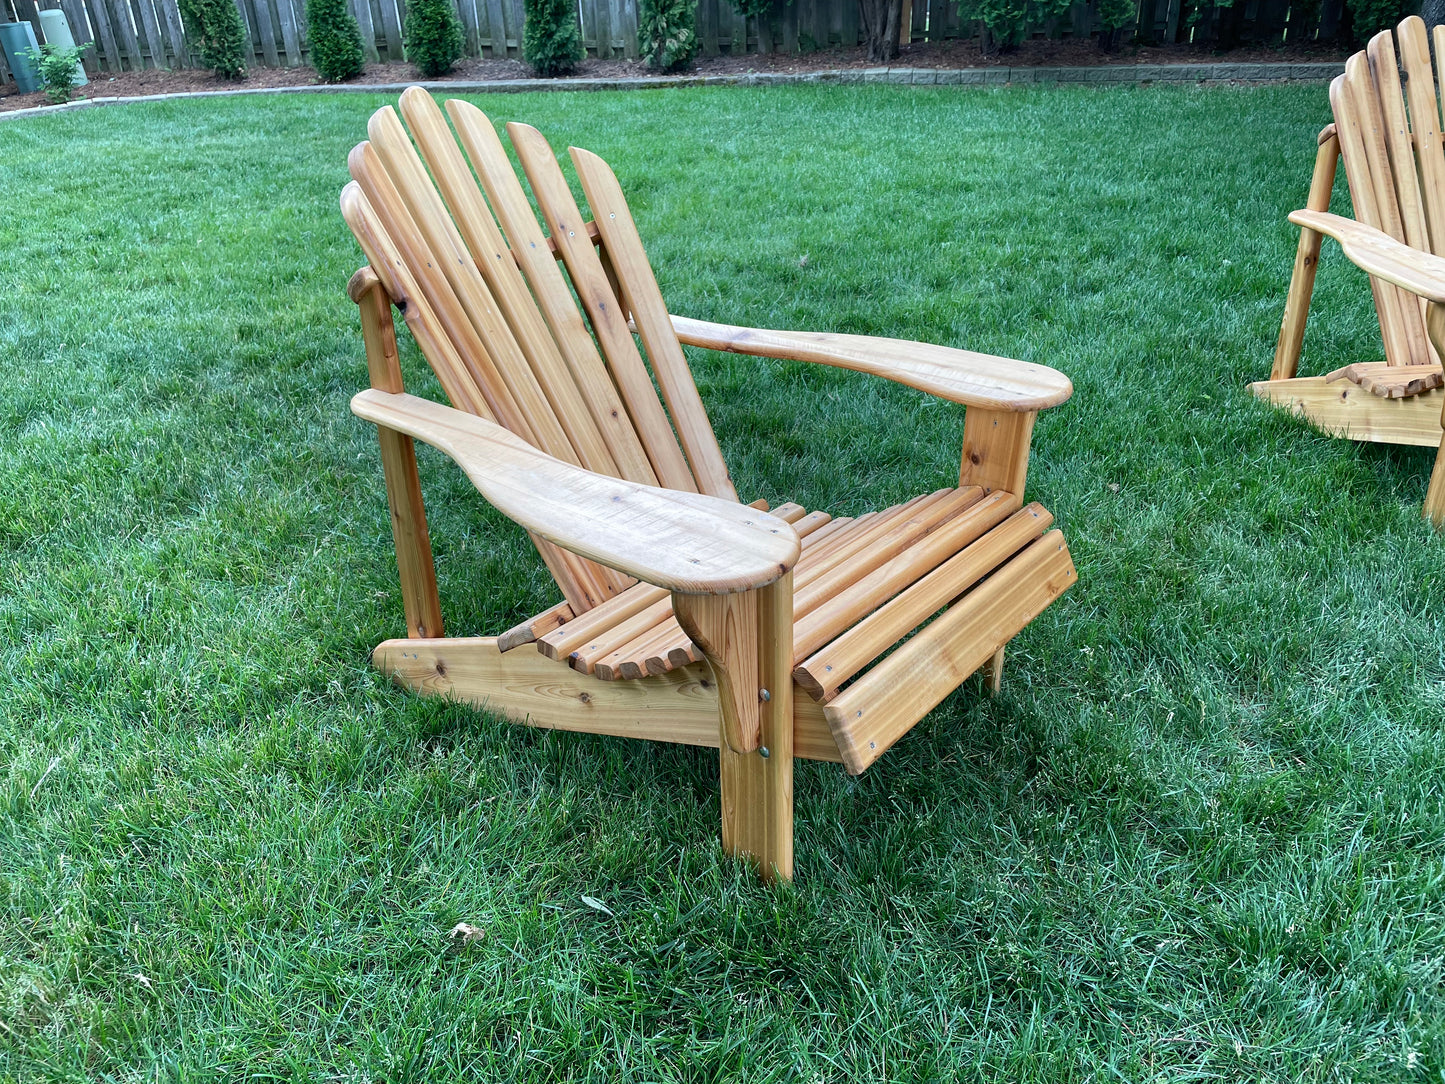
(216,27)
(668,33)
(1369,17)
(335,40)
(433,36)
(57,68)
(551,38)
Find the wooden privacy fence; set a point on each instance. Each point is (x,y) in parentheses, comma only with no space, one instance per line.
(132,34)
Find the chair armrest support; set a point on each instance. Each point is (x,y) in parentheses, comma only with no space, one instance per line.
(686,542)
(960,376)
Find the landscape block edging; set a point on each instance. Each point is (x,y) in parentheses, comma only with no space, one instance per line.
(1099,75)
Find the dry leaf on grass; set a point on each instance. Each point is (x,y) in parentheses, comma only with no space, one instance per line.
(597,905)
(464,933)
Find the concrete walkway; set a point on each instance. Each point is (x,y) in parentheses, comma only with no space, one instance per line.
(1099,75)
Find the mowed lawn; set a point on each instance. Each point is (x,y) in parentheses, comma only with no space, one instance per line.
(1201,835)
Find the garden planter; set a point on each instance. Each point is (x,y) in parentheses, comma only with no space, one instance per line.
(56,29)
(15,38)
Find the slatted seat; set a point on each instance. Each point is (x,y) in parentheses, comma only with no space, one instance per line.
(686,616)
(1387,129)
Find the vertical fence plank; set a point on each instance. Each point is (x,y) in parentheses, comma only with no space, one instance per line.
(120,17)
(362,10)
(484,29)
(604,31)
(820,24)
(290,39)
(268,33)
(587,17)
(253,39)
(467,11)
(850,30)
(107,35)
(175,34)
(516,16)
(629,29)
(391,28)
(707,27)
(498,23)
(150,27)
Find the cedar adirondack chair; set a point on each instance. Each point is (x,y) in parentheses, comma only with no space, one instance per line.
(686,616)
(1388,131)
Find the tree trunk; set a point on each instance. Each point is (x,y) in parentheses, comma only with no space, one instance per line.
(881,21)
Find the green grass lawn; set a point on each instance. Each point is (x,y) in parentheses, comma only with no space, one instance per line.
(1201,836)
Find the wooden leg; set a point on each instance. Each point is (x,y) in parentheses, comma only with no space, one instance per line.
(994,673)
(398,461)
(996,449)
(748,641)
(757,787)
(1435,495)
(1306,262)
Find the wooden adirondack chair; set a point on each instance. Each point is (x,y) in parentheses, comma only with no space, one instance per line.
(1388,131)
(687,616)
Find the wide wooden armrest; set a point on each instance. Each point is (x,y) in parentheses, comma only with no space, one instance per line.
(685,542)
(1379,254)
(961,376)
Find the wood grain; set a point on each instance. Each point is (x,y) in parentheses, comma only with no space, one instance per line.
(682,541)
(960,376)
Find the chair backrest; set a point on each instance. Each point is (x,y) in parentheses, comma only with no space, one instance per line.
(528,330)
(1390,138)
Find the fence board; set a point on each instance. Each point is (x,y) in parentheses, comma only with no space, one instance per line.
(120,18)
(391,27)
(629,29)
(150,28)
(362,10)
(107,36)
(174,32)
(268,33)
(707,27)
(498,24)
(467,11)
(290,39)
(127,35)
(516,17)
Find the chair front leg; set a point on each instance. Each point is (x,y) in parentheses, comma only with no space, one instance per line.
(747,639)
(1435,495)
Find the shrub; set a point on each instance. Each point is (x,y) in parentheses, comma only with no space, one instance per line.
(216,27)
(433,36)
(56,68)
(1113,16)
(335,40)
(1369,17)
(668,33)
(551,38)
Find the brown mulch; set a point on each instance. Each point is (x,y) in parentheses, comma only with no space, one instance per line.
(947,54)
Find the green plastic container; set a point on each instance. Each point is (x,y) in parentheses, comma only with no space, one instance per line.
(56,29)
(15,38)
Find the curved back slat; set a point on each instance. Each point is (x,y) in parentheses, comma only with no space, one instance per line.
(495,315)
(1391,186)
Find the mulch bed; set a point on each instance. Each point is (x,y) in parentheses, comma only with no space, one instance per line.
(948,54)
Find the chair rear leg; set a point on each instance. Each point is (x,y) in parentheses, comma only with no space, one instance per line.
(398,460)
(1306,263)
